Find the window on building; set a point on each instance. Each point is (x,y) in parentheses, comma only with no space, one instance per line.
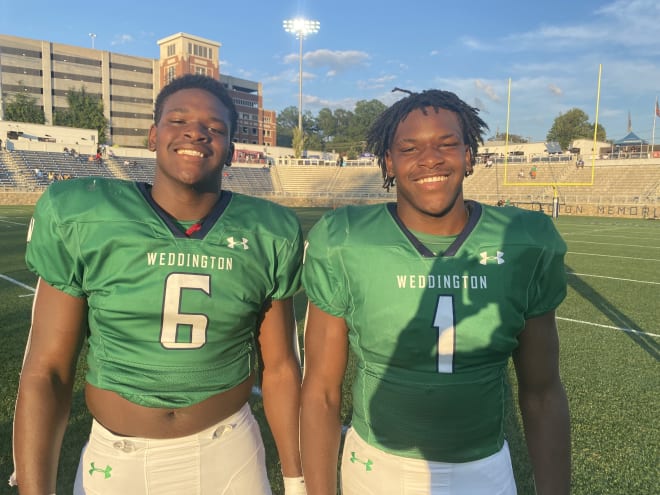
(198,69)
(171,74)
(199,50)
(171,49)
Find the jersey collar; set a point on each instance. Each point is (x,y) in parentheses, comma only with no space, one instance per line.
(206,224)
(474,210)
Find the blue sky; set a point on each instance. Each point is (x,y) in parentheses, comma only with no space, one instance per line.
(551,51)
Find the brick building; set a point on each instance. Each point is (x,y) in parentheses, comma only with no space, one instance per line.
(127,85)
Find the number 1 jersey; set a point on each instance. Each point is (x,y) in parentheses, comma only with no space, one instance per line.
(433,334)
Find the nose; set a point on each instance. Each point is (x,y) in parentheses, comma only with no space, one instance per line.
(195,131)
(431,156)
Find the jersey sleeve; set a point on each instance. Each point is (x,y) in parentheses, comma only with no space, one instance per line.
(51,248)
(289,264)
(548,286)
(321,278)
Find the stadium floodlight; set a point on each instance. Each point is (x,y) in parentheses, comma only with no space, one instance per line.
(92,36)
(301,28)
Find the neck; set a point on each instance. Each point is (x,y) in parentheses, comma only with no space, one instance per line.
(185,204)
(448,222)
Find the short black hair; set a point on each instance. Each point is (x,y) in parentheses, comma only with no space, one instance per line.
(198,81)
(381,133)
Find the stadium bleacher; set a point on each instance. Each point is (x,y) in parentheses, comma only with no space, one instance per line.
(621,181)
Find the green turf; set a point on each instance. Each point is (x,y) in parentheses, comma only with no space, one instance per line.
(611,375)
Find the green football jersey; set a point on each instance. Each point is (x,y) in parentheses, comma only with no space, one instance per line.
(433,334)
(172,318)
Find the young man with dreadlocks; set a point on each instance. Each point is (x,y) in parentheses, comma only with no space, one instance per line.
(433,294)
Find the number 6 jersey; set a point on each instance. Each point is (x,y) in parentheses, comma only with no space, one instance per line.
(432,335)
(172,319)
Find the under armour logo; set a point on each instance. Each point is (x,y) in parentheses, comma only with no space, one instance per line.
(367,464)
(105,471)
(233,243)
(485,258)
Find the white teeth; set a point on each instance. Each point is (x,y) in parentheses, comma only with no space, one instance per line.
(190,153)
(438,178)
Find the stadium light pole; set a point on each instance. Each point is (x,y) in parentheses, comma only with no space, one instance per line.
(301,27)
(92,35)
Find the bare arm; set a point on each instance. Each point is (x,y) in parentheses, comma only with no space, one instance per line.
(544,405)
(45,388)
(326,354)
(281,383)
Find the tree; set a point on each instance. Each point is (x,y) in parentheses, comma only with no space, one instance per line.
(84,112)
(24,108)
(366,112)
(287,120)
(342,130)
(572,125)
(298,144)
(513,138)
(327,124)
(601,135)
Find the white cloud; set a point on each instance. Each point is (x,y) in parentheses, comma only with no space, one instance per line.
(487,89)
(337,61)
(555,90)
(122,39)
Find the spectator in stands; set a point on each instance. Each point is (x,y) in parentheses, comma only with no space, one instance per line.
(532,172)
(433,294)
(521,174)
(126,163)
(489,163)
(182,288)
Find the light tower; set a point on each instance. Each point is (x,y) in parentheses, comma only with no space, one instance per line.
(301,27)
(92,36)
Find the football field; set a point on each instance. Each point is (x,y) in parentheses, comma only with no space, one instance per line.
(610,351)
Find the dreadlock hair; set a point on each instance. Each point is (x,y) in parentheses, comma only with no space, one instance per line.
(198,81)
(381,133)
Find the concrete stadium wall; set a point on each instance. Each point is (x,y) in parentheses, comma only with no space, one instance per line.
(639,211)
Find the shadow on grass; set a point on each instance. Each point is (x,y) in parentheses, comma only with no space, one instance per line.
(616,316)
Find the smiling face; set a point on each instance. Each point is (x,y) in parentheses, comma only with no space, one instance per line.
(429,159)
(191,141)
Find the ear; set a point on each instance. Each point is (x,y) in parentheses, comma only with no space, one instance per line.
(230,154)
(151,139)
(469,167)
(389,166)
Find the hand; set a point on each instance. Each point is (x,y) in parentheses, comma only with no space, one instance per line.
(294,486)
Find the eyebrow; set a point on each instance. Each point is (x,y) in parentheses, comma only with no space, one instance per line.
(187,110)
(444,136)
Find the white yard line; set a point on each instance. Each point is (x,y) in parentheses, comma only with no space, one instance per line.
(622,329)
(615,278)
(20,284)
(646,246)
